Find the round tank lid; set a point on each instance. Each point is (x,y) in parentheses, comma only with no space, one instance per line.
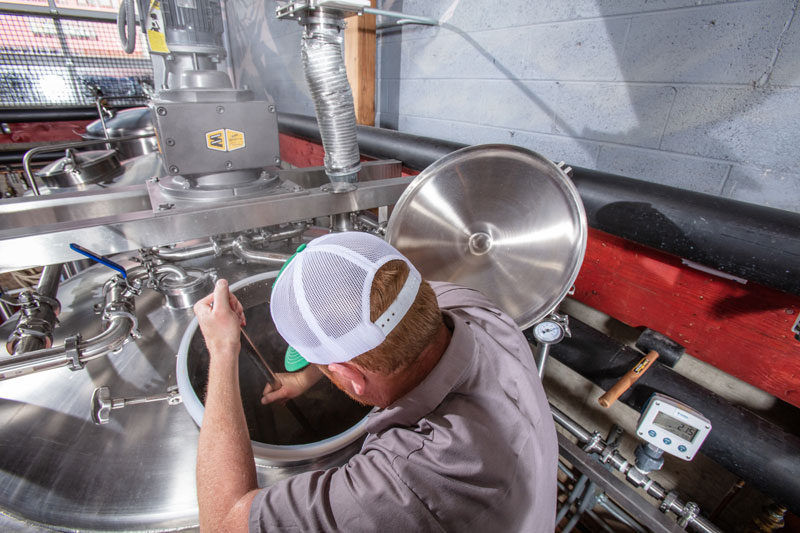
(135,121)
(497,218)
(77,168)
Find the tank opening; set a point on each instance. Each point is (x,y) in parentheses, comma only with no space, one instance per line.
(328,410)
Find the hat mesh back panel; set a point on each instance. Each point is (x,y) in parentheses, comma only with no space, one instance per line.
(302,337)
(334,302)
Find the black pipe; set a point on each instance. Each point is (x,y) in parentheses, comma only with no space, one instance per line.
(757,243)
(750,241)
(51,115)
(14,157)
(760,452)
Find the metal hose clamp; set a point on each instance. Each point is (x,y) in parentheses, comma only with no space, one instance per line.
(670,498)
(593,444)
(40,299)
(690,512)
(73,353)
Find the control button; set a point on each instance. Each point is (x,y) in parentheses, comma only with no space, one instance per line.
(667,441)
(681,448)
(651,433)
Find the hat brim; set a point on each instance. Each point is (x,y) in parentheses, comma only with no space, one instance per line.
(293,361)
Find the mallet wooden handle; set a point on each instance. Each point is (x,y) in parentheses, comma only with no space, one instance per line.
(625,382)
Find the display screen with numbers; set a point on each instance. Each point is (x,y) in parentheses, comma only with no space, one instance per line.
(675,426)
(672,426)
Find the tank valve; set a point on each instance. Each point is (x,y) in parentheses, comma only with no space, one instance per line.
(103,403)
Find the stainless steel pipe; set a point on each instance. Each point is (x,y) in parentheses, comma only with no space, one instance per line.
(219,247)
(244,251)
(688,513)
(120,324)
(118,329)
(37,315)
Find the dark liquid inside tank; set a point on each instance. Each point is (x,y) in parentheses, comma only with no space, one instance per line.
(324,410)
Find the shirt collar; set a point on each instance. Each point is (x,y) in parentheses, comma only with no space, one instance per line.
(448,373)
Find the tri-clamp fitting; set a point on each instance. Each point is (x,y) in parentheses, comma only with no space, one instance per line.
(38,311)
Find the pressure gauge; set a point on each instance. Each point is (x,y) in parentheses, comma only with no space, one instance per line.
(548,332)
(673,426)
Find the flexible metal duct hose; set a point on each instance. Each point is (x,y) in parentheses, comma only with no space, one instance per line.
(333,99)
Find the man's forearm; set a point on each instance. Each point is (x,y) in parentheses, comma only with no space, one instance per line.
(226,475)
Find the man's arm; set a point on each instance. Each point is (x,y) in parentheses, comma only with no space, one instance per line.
(226,474)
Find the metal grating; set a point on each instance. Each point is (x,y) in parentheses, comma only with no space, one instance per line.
(52,61)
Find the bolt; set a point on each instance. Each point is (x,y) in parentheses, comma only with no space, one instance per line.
(173,169)
(228,165)
(271,109)
(161,111)
(170,142)
(277,160)
(165,207)
(220,109)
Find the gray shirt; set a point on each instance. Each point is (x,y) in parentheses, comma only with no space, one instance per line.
(471,448)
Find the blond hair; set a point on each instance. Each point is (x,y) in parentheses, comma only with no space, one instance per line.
(415,331)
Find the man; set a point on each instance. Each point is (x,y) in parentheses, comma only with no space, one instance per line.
(462,439)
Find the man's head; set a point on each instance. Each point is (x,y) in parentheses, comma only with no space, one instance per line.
(354,305)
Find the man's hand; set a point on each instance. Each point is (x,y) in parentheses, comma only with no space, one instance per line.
(293,384)
(220,316)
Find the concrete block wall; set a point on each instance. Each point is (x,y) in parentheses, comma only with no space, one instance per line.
(702,95)
(265,53)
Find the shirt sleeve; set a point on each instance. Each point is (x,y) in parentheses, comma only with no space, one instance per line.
(366,494)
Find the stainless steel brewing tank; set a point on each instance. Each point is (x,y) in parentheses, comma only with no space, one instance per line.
(134,171)
(126,123)
(60,471)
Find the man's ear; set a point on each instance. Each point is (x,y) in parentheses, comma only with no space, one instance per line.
(350,375)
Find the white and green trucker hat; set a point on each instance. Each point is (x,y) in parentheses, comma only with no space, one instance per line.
(320,300)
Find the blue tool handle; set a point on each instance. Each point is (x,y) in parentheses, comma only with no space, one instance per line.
(102,260)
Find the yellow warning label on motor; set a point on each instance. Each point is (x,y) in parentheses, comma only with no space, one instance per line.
(155,29)
(225,140)
(235,139)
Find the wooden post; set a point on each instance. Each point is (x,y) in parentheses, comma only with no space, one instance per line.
(359,59)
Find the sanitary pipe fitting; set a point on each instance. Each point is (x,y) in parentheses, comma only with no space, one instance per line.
(244,251)
(326,76)
(218,247)
(38,312)
(594,444)
(120,325)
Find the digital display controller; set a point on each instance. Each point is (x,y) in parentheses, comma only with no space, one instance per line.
(675,426)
